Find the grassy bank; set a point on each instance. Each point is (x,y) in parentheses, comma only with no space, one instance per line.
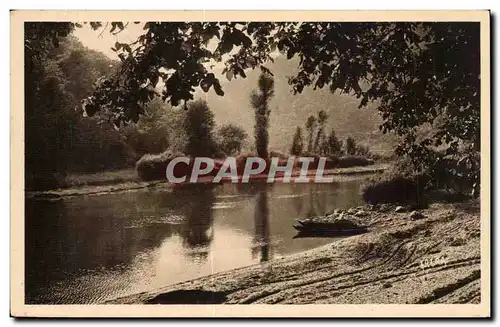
(101,178)
(126,180)
(435,259)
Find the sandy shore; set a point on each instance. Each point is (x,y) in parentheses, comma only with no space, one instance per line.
(435,259)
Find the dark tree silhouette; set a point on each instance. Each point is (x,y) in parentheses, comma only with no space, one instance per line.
(298,143)
(310,126)
(260,102)
(322,118)
(199,126)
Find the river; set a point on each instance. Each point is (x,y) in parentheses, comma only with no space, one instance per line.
(89,249)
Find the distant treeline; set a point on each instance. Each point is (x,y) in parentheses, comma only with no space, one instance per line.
(317,143)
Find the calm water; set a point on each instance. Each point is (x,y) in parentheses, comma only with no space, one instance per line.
(94,248)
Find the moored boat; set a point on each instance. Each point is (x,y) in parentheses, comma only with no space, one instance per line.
(339,227)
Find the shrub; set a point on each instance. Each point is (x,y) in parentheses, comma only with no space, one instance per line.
(401,184)
(351,161)
(153,166)
(393,189)
(456,174)
(96,147)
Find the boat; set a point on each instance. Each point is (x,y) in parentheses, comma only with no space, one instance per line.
(340,227)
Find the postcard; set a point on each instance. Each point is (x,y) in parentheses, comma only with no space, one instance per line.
(250,164)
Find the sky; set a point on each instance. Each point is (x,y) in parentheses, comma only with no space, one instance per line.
(102,40)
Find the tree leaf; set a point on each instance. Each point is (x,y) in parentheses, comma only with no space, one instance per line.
(218,89)
(113,27)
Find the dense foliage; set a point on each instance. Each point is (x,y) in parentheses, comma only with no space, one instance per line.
(199,126)
(394,189)
(59,72)
(42,162)
(421,72)
(417,72)
(231,139)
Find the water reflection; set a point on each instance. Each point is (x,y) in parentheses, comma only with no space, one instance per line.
(261,220)
(92,248)
(198,233)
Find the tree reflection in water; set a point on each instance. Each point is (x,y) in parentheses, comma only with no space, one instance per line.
(261,219)
(197,234)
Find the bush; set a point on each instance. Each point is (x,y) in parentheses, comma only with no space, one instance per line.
(97,147)
(400,185)
(456,175)
(153,166)
(351,161)
(394,189)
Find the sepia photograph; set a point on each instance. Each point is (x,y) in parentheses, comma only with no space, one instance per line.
(190,163)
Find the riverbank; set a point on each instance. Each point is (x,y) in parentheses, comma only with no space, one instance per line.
(434,259)
(127,180)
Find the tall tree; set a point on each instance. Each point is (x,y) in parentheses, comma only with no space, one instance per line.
(298,143)
(260,102)
(199,125)
(322,118)
(310,126)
